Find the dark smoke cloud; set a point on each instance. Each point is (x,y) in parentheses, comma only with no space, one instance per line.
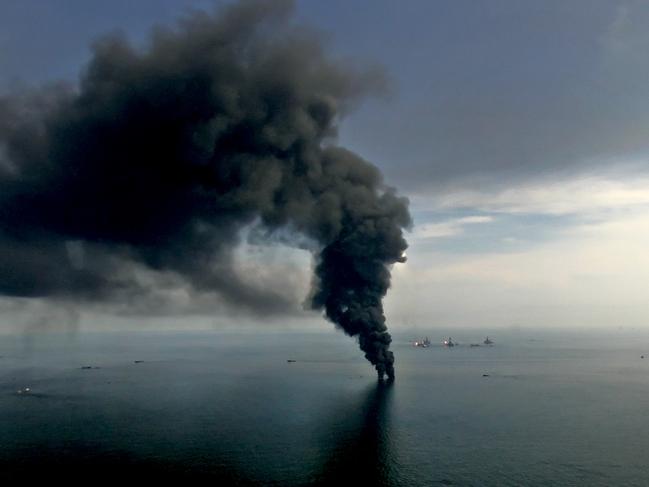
(160,157)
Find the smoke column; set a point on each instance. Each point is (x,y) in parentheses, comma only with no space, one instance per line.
(160,156)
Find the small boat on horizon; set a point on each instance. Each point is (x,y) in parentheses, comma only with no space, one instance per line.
(449,342)
(488,342)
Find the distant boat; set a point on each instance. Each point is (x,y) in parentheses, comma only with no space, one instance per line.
(425,343)
(488,342)
(290,361)
(474,345)
(449,342)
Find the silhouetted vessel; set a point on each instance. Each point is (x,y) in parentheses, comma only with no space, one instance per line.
(425,343)
(488,342)
(449,342)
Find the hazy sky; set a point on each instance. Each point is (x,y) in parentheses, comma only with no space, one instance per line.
(518,129)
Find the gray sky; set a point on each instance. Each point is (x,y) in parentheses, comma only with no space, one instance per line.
(517,129)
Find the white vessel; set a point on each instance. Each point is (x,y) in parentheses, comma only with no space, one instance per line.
(449,342)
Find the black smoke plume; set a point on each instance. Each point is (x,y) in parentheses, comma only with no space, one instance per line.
(160,156)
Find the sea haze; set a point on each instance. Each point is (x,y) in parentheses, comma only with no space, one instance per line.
(537,408)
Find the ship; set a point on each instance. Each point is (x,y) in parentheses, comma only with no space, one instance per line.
(425,343)
(449,342)
(487,341)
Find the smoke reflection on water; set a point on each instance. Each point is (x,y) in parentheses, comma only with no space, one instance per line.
(363,452)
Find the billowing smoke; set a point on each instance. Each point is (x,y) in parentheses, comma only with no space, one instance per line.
(161,156)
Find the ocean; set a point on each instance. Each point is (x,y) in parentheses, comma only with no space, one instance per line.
(537,408)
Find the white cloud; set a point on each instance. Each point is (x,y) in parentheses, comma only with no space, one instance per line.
(586,195)
(592,275)
(448,228)
(475,219)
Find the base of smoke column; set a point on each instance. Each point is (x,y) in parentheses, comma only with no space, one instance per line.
(386,378)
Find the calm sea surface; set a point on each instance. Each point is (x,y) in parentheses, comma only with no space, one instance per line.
(555,409)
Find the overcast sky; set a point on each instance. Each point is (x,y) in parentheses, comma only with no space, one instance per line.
(518,129)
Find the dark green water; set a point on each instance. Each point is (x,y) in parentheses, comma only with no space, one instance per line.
(559,410)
